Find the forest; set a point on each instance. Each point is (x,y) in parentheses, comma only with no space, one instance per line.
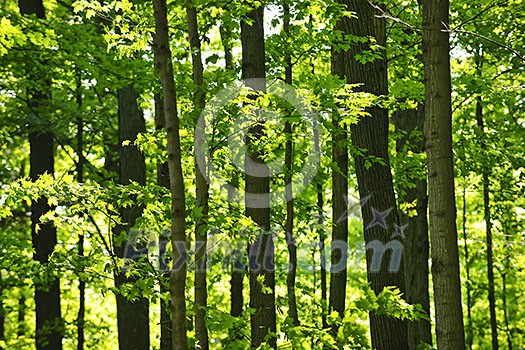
(262,174)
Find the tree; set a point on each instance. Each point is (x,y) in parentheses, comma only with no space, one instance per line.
(178,225)
(44,236)
(339,190)
(370,142)
(289,227)
(201,185)
(257,190)
(132,315)
(442,207)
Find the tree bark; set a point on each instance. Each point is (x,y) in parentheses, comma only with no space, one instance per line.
(163,179)
(339,195)
(41,141)
(288,164)
(442,206)
(201,185)
(261,252)
(416,249)
(178,225)
(132,315)
(370,134)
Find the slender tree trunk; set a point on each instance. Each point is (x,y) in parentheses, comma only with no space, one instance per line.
(132,315)
(322,232)
(238,268)
(339,197)
(288,164)
(163,179)
(2,312)
(178,225)
(442,206)
(506,268)
(21,316)
(201,185)
(416,247)
(80,179)
(227,39)
(382,230)
(469,334)
(257,195)
(41,141)
(488,228)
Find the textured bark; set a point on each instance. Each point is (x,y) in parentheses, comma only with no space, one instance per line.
(41,143)
(375,184)
(163,179)
(132,315)
(339,193)
(201,185)
(178,225)
(416,248)
(288,164)
(261,252)
(442,207)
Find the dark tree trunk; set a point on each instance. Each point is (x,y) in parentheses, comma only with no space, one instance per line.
(288,164)
(339,196)
(163,179)
(488,219)
(442,206)
(80,179)
(41,141)
(132,315)
(178,200)
(227,39)
(261,252)
(201,185)
(416,248)
(21,317)
(370,134)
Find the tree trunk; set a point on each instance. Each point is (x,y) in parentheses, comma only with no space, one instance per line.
(80,179)
(469,328)
(2,312)
(41,141)
(257,195)
(288,164)
(163,179)
(178,225)
(442,206)
(488,221)
(132,315)
(339,197)
(416,249)
(21,316)
(370,134)
(238,268)
(227,39)
(201,185)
